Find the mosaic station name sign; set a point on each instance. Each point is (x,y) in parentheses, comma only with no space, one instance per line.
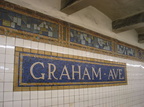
(48,70)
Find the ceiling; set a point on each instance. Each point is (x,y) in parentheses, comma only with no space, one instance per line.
(125,14)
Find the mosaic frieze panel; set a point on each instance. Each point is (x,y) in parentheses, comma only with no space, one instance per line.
(89,40)
(141,54)
(16,21)
(125,50)
(26,23)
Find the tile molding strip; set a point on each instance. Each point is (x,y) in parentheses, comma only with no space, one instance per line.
(64,37)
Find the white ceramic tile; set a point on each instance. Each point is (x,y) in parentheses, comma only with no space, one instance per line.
(2,58)
(2,40)
(26,95)
(41,102)
(66,100)
(2,49)
(8,86)
(17,104)
(10,49)
(2,67)
(1,87)
(41,46)
(41,94)
(48,102)
(54,48)
(17,96)
(66,105)
(9,67)
(66,51)
(27,43)
(48,94)
(8,104)
(81,91)
(60,49)
(1,77)
(77,104)
(9,59)
(1,96)
(76,91)
(62,105)
(81,104)
(54,93)
(34,45)
(60,93)
(10,41)
(71,99)
(1,105)
(77,98)
(26,103)
(54,106)
(71,51)
(48,47)
(75,52)
(72,91)
(78,52)
(8,96)
(66,92)
(54,101)
(34,95)
(81,97)
(8,77)
(34,103)
(60,100)
(19,42)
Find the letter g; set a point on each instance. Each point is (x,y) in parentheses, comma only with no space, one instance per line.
(31,71)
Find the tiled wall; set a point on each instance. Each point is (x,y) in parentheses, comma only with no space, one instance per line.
(130,95)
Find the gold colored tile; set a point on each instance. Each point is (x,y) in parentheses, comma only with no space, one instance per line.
(48,88)
(17,89)
(54,54)
(34,51)
(25,89)
(60,55)
(18,49)
(33,89)
(26,50)
(40,52)
(41,88)
(48,53)
(66,55)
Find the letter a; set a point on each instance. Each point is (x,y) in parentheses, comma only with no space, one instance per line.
(67,74)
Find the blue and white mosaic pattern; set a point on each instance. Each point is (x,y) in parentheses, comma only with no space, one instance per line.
(125,50)
(25,23)
(89,40)
(140,54)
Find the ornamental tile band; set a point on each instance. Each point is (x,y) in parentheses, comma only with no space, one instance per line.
(125,50)
(50,70)
(89,40)
(28,24)
(20,22)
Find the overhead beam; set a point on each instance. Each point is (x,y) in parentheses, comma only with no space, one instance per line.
(72,6)
(141,38)
(132,22)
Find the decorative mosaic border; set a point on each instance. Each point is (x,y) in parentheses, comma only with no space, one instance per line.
(19,71)
(16,21)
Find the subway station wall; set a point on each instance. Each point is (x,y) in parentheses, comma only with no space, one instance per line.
(130,95)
